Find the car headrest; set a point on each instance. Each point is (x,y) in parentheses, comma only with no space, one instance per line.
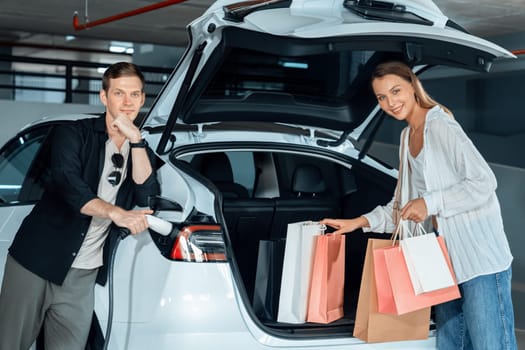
(308,179)
(217,167)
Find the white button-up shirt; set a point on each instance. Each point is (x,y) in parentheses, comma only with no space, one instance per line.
(461,193)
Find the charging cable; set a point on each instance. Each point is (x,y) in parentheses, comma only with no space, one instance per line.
(122,233)
(156,224)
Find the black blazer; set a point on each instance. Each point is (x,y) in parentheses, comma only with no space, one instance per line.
(51,235)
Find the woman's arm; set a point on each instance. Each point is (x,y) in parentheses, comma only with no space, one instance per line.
(460,163)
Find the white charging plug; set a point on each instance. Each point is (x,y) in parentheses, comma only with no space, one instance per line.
(159,225)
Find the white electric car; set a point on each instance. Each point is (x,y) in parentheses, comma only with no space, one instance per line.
(267,119)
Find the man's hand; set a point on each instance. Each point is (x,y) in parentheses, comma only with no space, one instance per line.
(134,220)
(127,128)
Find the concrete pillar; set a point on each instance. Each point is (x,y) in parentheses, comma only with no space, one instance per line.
(6,79)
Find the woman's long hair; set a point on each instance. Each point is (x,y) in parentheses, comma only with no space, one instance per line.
(405,72)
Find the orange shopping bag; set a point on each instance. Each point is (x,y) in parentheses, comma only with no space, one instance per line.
(373,326)
(325,301)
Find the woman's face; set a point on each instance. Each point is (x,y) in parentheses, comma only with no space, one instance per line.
(395,95)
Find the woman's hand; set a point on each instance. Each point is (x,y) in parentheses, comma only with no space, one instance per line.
(345,225)
(415,210)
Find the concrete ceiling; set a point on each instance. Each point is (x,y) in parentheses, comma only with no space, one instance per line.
(40,24)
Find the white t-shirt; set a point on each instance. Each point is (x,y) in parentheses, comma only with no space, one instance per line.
(90,254)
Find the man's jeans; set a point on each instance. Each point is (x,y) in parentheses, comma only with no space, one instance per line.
(482,319)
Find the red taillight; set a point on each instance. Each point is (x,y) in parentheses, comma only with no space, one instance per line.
(199,243)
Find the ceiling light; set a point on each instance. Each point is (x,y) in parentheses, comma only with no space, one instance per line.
(121,47)
(292,64)
(117,49)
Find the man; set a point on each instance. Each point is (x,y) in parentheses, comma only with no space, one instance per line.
(100,168)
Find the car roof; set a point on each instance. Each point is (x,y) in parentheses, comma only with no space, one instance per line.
(52,119)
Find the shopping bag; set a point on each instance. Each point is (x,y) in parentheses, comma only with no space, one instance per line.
(325,300)
(295,280)
(372,326)
(398,296)
(426,262)
(385,297)
(268,279)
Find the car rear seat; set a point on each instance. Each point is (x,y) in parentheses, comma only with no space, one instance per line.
(217,168)
(309,200)
(248,222)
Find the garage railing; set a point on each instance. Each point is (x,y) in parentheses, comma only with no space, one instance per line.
(33,79)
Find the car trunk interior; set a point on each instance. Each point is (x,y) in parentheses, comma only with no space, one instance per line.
(282,193)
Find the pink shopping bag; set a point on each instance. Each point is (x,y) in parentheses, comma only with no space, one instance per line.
(325,301)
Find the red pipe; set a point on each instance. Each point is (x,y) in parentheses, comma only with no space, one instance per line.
(138,11)
(519,52)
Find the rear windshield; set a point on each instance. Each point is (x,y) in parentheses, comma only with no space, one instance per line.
(328,77)
(317,83)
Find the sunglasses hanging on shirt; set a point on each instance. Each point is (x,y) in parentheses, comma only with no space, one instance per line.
(116,175)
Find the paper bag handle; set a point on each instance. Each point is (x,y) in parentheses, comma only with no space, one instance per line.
(322,227)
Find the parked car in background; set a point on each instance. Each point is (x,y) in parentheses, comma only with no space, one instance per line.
(269,96)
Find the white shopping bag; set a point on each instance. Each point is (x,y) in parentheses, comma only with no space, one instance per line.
(427,266)
(297,265)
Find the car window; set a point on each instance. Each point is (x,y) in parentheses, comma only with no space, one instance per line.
(19,181)
(243,168)
(240,164)
(261,174)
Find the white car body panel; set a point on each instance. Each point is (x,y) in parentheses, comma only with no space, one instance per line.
(313,21)
(191,138)
(13,217)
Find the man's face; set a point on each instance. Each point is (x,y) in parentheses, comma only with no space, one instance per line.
(124,97)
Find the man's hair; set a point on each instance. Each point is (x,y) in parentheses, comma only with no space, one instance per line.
(121,69)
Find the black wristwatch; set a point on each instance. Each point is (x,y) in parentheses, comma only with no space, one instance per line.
(141,144)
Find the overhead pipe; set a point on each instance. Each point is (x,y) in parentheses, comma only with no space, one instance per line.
(518,52)
(135,12)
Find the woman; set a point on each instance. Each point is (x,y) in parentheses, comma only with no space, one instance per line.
(451,186)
